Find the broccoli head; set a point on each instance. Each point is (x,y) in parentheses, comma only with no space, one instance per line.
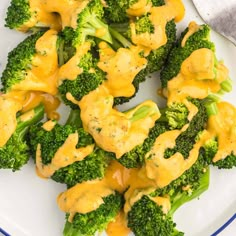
(186,140)
(21,16)
(146,217)
(16,152)
(87,81)
(198,40)
(25,69)
(91,167)
(88,224)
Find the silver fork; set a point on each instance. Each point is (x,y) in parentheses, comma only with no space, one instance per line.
(219,15)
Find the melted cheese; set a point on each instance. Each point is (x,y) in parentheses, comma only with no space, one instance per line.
(193,27)
(49,125)
(84,197)
(43,74)
(112,130)
(66,155)
(223,127)
(31,99)
(159,16)
(119,226)
(164,202)
(71,69)
(39,17)
(8,122)
(121,68)
(163,171)
(141,7)
(197,78)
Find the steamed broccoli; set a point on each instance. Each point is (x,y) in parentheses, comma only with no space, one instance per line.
(186,140)
(87,81)
(210,149)
(21,16)
(91,167)
(19,62)
(21,65)
(200,39)
(16,152)
(172,117)
(148,218)
(97,220)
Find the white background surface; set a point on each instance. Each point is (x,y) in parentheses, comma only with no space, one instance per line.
(28,203)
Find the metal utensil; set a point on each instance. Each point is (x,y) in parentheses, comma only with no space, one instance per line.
(219,15)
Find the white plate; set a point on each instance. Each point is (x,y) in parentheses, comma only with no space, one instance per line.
(28,204)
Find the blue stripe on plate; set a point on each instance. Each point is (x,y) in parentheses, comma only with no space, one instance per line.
(4,232)
(225,225)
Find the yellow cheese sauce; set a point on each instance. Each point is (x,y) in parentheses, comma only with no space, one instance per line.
(39,15)
(159,16)
(71,69)
(121,68)
(119,226)
(223,127)
(31,99)
(192,28)
(139,8)
(43,74)
(87,196)
(54,14)
(112,130)
(49,125)
(8,110)
(66,155)
(163,171)
(198,77)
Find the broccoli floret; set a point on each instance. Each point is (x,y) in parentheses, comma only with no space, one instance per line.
(89,21)
(91,167)
(176,115)
(198,40)
(210,149)
(148,218)
(19,62)
(18,14)
(156,58)
(97,220)
(87,81)
(16,152)
(21,17)
(135,157)
(115,11)
(186,140)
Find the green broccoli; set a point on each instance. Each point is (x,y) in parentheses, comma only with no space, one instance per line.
(87,81)
(21,17)
(210,149)
(148,218)
(16,152)
(91,167)
(173,117)
(21,63)
(186,140)
(97,220)
(116,11)
(176,115)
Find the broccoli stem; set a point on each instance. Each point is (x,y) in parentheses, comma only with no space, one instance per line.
(120,38)
(24,124)
(226,85)
(97,24)
(181,198)
(211,108)
(74,118)
(142,112)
